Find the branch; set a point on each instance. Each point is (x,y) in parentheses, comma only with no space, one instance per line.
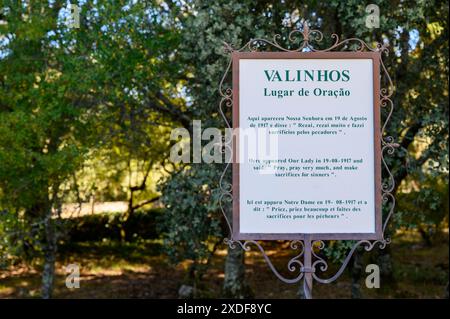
(410,134)
(146,202)
(402,173)
(144,181)
(169,109)
(408,138)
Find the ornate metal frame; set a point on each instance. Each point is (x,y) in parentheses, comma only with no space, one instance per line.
(311,260)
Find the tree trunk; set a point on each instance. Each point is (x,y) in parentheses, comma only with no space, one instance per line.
(300,291)
(356,268)
(384,261)
(235,285)
(425,233)
(48,273)
(126,218)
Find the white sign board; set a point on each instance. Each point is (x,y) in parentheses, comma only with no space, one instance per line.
(308,145)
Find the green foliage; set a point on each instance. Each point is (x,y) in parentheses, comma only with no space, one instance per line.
(21,241)
(418,65)
(13,239)
(107,226)
(336,251)
(191,223)
(44,120)
(427,205)
(425,208)
(69,94)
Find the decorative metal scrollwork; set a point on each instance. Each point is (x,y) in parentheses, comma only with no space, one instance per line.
(302,41)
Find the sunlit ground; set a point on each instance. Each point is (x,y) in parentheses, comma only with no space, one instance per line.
(115,270)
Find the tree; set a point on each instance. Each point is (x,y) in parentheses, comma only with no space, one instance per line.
(135,69)
(417,37)
(66,92)
(44,116)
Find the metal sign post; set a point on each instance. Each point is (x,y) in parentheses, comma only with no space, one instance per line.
(308,263)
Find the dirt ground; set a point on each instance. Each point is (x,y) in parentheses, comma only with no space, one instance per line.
(115,270)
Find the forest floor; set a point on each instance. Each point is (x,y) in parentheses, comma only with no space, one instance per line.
(140,270)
